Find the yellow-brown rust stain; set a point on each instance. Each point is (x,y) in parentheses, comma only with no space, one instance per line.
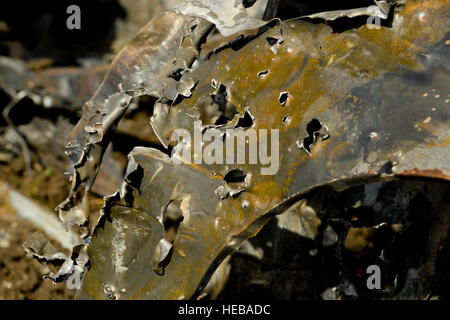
(444,143)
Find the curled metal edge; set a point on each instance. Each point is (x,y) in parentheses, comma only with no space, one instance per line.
(127,78)
(229,17)
(160,39)
(381,10)
(338,184)
(41,248)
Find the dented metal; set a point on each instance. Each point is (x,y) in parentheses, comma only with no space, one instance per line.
(162,48)
(358,102)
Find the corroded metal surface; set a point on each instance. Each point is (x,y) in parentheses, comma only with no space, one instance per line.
(381,95)
(361,108)
(145,66)
(229,17)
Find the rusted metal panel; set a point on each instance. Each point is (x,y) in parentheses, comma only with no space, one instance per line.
(380,103)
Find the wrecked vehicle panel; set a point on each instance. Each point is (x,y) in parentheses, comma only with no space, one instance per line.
(102,112)
(264,149)
(352,108)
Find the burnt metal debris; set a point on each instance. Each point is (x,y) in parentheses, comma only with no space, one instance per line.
(363,119)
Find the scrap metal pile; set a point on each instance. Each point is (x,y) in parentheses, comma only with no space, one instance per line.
(362,116)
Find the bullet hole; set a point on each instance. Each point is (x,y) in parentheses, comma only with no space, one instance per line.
(176,73)
(262,74)
(215,109)
(226,109)
(246,121)
(313,129)
(109,291)
(271,41)
(286,119)
(274,42)
(236,182)
(220,95)
(222,120)
(172,218)
(248,3)
(214,83)
(235,176)
(282,99)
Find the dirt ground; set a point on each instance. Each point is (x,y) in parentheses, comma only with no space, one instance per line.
(21,277)
(48,186)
